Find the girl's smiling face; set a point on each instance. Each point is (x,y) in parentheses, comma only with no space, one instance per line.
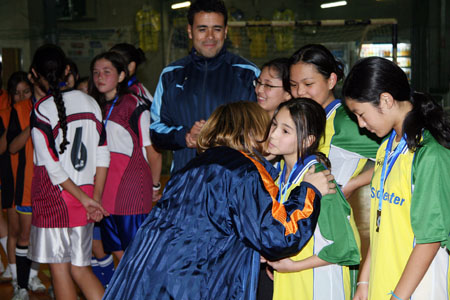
(106,78)
(269,90)
(283,137)
(307,82)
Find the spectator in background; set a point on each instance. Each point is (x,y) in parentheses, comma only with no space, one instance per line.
(191,88)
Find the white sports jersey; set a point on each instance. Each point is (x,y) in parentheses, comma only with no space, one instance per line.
(86,150)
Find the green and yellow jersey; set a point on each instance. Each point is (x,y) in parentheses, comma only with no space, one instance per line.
(335,240)
(415,209)
(345,145)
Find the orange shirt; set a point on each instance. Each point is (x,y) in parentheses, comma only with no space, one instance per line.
(22,161)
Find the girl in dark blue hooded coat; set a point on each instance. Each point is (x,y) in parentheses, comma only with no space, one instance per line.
(204,238)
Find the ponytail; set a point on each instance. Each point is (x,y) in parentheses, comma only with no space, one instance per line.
(428,114)
(49,61)
(57,97)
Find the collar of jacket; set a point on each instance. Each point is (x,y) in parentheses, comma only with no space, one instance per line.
(210,62)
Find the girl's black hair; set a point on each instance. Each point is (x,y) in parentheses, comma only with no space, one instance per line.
(372,76)
(319,56)
(73,69)
(281,66)
(309,119)
(13,81)
(130,53)
(50,62)
(81,80)
(120,65)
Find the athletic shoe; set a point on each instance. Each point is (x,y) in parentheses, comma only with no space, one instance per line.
(21,294)
(35,285)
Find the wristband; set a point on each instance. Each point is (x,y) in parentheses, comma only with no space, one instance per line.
(394,295)
(362,282)
(157,187)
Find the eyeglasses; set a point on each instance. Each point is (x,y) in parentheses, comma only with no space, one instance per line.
(257,83)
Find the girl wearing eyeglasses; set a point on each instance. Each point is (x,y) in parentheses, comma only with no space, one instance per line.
(272,86)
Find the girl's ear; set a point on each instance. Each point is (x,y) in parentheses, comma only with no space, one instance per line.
(386,100)
(131,67)
(310,140)
(332,80)
(121,76)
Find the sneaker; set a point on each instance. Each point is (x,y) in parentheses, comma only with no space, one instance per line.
(21,294)
(35,285)
(14,285)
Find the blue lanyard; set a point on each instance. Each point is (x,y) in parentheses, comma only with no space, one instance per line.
(389,161)
(297,171)
(132,80)
(110,110)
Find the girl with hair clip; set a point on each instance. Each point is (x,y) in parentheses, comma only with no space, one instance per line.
(314,74)
(70,152)
(203,238)
(128,188)
(20,147)
(273,86)
(134,57)
(320,270)
(409,224)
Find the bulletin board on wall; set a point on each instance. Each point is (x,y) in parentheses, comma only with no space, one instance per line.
(82,45)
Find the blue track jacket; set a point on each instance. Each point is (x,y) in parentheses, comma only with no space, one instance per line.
(204,237)
(189,90)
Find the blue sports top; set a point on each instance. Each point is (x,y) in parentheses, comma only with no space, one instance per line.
(189,90)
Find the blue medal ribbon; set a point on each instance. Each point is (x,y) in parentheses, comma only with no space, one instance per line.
(132,80)
(389,161)
(297,171)
(110,110)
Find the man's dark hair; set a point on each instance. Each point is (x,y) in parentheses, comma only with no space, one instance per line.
(216,6)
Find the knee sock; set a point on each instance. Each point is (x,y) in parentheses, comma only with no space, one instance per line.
(96,269)
(106,265)
(23,266)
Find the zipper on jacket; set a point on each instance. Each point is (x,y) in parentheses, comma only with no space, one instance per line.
(204,81)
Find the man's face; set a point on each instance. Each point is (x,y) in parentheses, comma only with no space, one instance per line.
(208,33)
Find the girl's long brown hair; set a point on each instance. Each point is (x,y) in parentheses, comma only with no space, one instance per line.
(239,125)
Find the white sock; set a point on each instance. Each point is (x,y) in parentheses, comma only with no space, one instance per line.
(13,271)
(3,242)
(34,269)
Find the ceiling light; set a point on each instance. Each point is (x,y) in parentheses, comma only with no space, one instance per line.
(181,5)
(333,4)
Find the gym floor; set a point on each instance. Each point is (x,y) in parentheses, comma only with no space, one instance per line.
(359,202)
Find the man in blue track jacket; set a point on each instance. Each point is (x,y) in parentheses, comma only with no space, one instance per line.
(191,88)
